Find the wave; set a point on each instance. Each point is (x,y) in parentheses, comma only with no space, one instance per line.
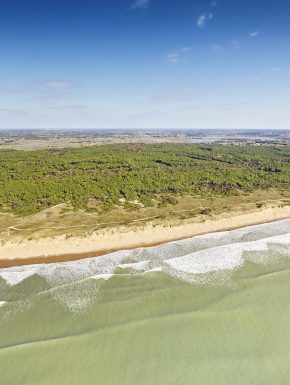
(197,255)
(208,259)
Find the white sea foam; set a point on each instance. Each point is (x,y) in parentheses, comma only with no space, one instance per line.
(154,270)
(137,266)
(13,278)
(104,277)
(206,259)
(221,258)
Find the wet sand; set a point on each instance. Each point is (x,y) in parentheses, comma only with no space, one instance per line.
(61,249)
(213,310)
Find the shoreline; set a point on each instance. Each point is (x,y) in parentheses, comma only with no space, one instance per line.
(60,249)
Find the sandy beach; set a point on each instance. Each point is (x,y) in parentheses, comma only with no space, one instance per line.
(63,248)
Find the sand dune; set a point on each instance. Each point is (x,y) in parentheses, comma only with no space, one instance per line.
(62,248)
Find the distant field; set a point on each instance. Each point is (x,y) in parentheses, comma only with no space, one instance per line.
(135,176)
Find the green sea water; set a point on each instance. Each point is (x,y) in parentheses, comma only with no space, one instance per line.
(186,313)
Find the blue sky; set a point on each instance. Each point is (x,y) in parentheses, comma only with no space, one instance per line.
(145,64)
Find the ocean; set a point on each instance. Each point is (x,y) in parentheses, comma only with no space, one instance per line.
(210,310)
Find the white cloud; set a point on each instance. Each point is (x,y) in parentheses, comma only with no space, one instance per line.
(181,55)
(58,84)
(186,49)
(179,94)
(189,88)
(255,33)
(255,78)
(141,4)
(203,20)
(236,43)
(10,112)
(173,57)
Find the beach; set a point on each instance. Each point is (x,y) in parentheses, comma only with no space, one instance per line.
(212,309)
(145,193)
(69,248)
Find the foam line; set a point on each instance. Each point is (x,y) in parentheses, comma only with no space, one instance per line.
(222,251)
(221,258)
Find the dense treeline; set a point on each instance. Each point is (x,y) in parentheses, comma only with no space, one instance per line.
(96,178)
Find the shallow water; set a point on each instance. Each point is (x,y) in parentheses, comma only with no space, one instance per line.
(211,310)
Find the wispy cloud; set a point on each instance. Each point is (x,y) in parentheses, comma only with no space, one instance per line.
(180,55)
(141,4)
(254,34)
(72,109)
(59,84)
(186,49)
(276,69)
(216,47)
(10,112)
(214,4)
(203,20)
(255,78)
(173,57)
(236,43)
(189,88)
(179,94)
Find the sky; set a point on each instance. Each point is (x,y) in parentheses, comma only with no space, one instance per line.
(145,64)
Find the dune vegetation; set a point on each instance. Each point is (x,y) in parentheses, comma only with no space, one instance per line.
(98,179)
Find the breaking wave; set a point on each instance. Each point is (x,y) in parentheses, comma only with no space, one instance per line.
(208,259)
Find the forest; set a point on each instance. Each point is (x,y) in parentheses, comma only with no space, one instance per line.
(101,178)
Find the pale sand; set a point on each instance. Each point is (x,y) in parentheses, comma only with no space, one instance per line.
(60,248)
